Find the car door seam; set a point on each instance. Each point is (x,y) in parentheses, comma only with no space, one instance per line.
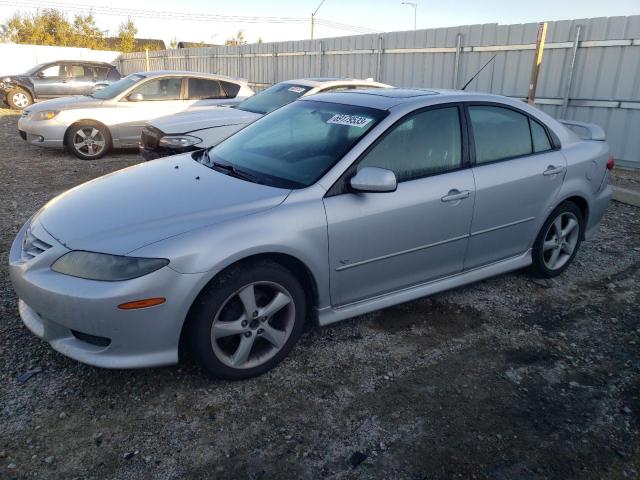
(510,224)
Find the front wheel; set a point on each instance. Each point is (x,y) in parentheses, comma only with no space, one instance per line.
(19,99)
(88,140)
(558,241)
(247,320)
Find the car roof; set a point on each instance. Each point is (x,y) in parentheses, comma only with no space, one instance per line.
(333,82)
(84,62)
(185,73)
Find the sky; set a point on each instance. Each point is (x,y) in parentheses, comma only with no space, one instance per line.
(378,15)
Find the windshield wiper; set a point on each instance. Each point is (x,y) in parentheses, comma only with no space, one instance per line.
(233,171)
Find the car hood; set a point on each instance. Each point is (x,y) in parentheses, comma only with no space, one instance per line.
(66,103)
(146,203)
(192,120)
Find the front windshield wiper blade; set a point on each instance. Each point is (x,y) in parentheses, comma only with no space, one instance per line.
(233,171)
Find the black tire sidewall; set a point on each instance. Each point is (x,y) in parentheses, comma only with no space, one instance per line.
(218,291)
(12,92)
(538,266)
(68,139)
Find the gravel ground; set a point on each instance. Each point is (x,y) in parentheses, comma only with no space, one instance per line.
(508,378)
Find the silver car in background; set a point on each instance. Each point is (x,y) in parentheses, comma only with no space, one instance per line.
(113,117)
(333,206)
(193,130)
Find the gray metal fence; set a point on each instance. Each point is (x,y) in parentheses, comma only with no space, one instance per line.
(590,70)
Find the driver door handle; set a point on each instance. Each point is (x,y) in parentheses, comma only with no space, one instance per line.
(552,170)
(455,195)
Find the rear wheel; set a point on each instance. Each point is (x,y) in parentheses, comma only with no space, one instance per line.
(558,241)
(18,98)
(247,320)
(88,140)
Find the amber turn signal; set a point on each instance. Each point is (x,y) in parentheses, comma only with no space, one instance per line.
(147,302)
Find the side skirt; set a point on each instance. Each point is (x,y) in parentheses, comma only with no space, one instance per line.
(330,315)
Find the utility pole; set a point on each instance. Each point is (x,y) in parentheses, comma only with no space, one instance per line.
(537,60)
(415,12)
(313,18)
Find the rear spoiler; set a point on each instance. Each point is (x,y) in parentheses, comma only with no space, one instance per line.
(586,131)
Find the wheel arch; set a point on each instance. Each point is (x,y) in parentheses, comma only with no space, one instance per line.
(87,120)
(296,266)
(582,203)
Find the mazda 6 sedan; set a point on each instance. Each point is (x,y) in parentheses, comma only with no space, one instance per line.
(332,206)
(89,126)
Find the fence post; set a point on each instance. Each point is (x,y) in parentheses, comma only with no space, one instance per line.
(146,58)
(275,63)
(379,60)
(456,64)
(535,69)
(319,62)
(567,88)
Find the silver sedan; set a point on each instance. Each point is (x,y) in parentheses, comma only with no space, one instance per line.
(330,207)
(90,125)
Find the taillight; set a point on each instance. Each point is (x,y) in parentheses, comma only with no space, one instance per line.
(611,162)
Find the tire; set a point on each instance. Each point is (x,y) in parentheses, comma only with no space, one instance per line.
(19,98)
(88,140)
(552,253)
(232,339)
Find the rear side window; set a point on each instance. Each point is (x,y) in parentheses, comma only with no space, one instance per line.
(113,76)
(231,89)
(77,71)
(201,88)
(101,73)
(539,136)
(499,133)
(423,144)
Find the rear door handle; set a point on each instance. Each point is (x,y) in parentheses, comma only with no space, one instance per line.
(455,194)
(552,170)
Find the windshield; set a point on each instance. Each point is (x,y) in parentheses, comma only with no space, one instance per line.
(117,88)
(295,145)
(273,98)
(33,70)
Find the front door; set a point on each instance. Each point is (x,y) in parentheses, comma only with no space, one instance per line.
(50,82)
(160,97)
(383,242)
(518,176)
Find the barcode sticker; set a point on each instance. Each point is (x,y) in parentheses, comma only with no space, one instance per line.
(296,89)
(349,120)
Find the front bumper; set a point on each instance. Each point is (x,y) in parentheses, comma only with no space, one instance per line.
(43,133)
(69,313)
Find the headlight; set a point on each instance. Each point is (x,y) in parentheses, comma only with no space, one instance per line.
(45,115)
(6,80)
(179,141)
(101,266)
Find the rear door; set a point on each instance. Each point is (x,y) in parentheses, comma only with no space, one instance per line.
(383,242)
(518,175)
(80,78)
(160,96)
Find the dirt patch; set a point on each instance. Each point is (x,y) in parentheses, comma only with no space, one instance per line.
(507,378)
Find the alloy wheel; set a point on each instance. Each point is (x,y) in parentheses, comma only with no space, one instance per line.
(560,240)
(20,100)
(252,325)
(89,141)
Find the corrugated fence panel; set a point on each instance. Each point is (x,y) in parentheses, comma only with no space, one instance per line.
(605,85)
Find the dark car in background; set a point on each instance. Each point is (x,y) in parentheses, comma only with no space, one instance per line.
(55,79)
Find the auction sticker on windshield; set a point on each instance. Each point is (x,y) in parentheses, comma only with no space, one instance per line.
(297,89)
(349,120)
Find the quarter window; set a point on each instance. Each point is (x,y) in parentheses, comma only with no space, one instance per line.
(421,145)
(499,133)
(161,89)
(539,136)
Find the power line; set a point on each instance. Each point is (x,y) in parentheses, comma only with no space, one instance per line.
(166,15)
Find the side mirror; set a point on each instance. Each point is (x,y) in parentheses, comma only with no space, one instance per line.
(374,179)
(135,97)
(40,75)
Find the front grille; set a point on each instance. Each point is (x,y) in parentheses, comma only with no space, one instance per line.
(33,246)
(150,137)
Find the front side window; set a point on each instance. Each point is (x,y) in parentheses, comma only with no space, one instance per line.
(423,144)
(294,146)
(50,72)
(201,88)
(499,133)
(273,98)
(160,89)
